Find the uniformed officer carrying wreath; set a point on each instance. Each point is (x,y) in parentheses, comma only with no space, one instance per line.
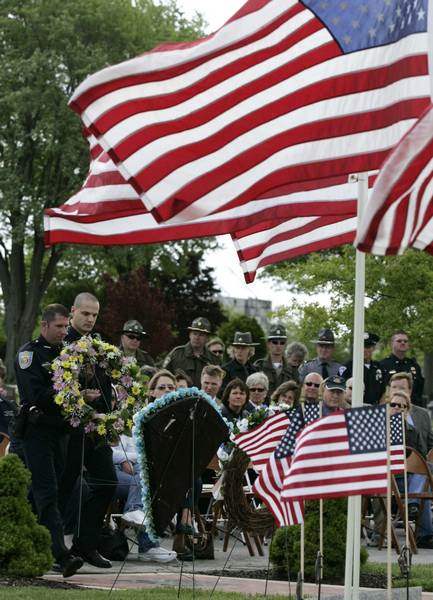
(44,429)
(192,357)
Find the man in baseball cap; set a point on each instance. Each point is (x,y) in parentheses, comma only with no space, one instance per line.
(132,335)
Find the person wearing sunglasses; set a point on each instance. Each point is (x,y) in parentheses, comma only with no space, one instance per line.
(398,361)
(400,403)
(374,380)
(311,388)
(132,335)
(323,363)
(275,365)
(258,385)
(217,347)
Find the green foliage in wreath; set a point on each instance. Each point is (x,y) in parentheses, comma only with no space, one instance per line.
(24,545)
(285,547)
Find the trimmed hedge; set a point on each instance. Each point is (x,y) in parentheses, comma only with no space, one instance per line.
(285,547)
(24,545)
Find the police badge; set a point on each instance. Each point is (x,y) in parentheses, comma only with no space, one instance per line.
(25,359)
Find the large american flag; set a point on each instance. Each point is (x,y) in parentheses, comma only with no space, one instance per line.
(344,454)
(269,483)
(108,210)
(400,211)
(260,442)
(287,91)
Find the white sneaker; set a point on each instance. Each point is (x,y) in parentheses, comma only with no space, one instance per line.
(134,518)
(159,554)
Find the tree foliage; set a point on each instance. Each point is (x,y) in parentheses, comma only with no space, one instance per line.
(398,292)
(47,48)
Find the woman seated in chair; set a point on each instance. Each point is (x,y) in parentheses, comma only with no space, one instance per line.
(125,460)
(400,403)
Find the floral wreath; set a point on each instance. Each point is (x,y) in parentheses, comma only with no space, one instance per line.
(142,417)
(123,372)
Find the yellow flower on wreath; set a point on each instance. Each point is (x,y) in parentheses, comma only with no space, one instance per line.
(135,389)
(101,429)
(116,374)
(82,345)
(67,376)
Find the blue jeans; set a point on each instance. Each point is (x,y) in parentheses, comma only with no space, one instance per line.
(415,484)
(129,490)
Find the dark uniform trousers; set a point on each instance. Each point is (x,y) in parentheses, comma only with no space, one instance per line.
(45,452)
(45,436)
(97,459)
(101,485)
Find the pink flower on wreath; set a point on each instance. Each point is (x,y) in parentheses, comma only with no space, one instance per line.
(126,380)
(90,427)
(119,425)
(58,373)
(59,386)
(122,394)
(75,421)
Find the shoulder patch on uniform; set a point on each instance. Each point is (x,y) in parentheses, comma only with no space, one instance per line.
(341,370)
(25,359)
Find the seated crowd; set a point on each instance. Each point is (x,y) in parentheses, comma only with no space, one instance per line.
(240,386)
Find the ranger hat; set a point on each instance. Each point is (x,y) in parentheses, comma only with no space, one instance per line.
(243,339)
(133,326)
(200,324)
(277,332)
(325,336)
(335,383)
(370,339)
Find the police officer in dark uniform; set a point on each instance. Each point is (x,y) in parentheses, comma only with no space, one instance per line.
(275,365)
(45,432)
(374,380)
(240,367)
(132,335)
(398,362)
(97,458)
(192,357)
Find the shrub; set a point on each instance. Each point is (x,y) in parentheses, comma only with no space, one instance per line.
(285,547)
(24,545)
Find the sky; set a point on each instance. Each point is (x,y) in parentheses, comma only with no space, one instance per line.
(228,272)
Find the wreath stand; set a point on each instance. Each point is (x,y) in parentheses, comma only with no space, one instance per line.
(237,506)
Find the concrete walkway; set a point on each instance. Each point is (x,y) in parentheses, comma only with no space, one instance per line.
(135,574)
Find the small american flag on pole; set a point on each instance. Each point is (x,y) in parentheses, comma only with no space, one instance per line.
(259,443)
(344,454)
(269,483)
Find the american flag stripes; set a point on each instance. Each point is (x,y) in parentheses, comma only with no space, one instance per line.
(400,211)
(269,483)
(343,454)
(260,442)
(287,91)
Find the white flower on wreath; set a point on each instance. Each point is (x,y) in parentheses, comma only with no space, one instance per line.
(243,425)
(222,454)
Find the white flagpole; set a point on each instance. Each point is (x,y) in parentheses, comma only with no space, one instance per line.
(353,541)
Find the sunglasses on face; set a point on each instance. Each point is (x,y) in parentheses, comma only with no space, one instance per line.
(132,336)
(165,387)
(218,351)
(278,342)
(398,405)
(257,389)
(312,384)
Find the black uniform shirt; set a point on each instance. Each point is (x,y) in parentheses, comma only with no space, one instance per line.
(34,375)
(391,364)
(100,380)
(374,380)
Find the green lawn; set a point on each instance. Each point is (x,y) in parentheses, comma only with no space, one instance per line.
(40,593)
(421,575)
